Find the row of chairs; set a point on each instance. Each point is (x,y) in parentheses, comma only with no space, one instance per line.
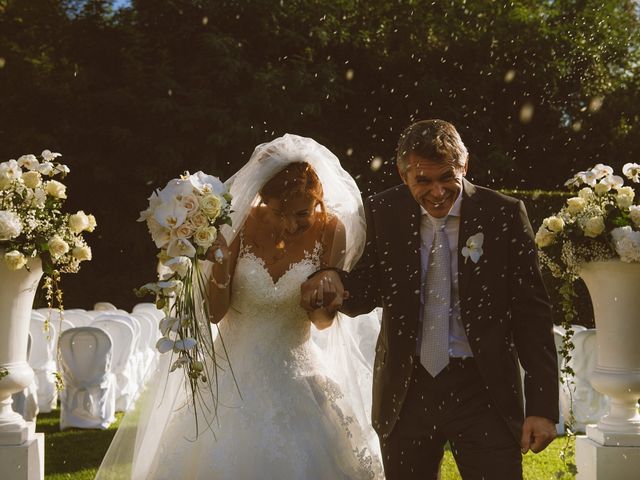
(104,357)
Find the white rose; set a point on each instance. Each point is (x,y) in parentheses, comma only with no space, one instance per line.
(56,189)
(634,213)
(594,227)
(586,193)
(210,205)
(78,222)
(82,253)
(179,265)
(57,246)
(14,260)
(544,237)
(199,220)
(190,202)
(205,236)
(10,225)
(92,223)
(32,179)
(602,188)
(30,162)
(575,205)
(624,197)
(555,224)
(185,230)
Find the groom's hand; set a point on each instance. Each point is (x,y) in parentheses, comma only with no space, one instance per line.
(323,290)
(537,433)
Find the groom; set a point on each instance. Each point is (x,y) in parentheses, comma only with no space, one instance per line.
(454,267)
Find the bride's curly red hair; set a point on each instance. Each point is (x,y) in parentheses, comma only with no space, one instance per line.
(295,179)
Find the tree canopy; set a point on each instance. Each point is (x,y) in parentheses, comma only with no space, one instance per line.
(134,96)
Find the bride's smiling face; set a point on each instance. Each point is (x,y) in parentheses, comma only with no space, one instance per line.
(291,216)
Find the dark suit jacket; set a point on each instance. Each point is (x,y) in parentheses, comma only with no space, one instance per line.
(503,302)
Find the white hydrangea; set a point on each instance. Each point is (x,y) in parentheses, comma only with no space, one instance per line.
(627,243)
(634,214)
(10,225)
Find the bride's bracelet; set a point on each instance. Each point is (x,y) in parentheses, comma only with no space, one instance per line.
(221,286)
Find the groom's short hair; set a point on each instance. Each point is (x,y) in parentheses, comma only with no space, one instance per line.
(436,140)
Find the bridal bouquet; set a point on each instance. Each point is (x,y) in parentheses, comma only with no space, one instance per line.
(184,219)
(32,223)
(601,222)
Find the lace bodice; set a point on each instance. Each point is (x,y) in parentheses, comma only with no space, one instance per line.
(265,315)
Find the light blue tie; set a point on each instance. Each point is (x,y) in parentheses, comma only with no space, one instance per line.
(434,351)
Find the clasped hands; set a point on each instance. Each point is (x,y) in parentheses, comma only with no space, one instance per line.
(322,296)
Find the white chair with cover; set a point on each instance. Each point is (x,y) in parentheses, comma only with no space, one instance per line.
(150,308)
(137,358)
(79,319)
(89,395)
(122,337)
(26,402)
(104,306)
(589,405)
(43,362)
(65,325)
(147,342)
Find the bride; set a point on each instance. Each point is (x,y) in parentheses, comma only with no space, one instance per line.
(293,401)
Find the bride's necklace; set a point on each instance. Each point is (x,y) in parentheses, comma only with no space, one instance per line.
(280,249)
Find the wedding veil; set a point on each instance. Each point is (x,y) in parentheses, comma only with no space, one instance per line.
(341,194)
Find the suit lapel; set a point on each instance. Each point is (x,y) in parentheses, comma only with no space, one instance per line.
(470,224)
(406,232)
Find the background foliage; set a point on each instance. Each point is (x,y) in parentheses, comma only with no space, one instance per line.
(132,96)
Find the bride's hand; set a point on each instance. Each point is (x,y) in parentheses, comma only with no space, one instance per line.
(325,290)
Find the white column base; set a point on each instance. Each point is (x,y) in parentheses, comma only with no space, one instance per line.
(23,462)
(612,439)
(600,462)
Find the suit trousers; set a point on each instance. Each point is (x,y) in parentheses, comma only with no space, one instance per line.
(455,407)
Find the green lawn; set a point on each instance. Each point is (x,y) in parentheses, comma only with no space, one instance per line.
(76,454)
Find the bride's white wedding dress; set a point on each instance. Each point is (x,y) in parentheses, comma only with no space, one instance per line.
(293,420)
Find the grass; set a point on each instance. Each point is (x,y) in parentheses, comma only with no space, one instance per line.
(76,454)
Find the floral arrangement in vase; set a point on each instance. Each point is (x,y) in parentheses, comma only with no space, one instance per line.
(33,224)
(600,222)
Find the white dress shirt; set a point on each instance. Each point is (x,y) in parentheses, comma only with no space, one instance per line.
(458,342)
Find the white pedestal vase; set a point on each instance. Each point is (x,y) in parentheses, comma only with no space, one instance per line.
(21,449)
(611,449)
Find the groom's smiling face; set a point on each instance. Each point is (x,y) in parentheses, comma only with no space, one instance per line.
(434,185)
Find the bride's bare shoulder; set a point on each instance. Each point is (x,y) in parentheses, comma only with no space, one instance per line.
(254,222)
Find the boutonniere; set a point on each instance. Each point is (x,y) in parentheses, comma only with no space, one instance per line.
(473,248)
